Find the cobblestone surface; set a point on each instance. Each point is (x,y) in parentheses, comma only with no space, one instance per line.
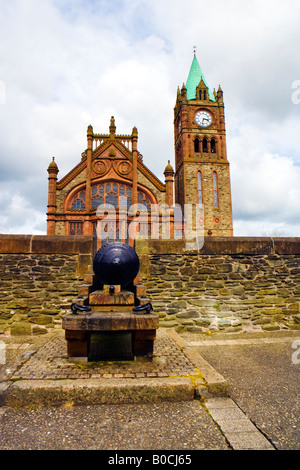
(51,362)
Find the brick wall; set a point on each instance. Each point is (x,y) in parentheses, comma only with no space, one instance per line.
(231,284)
(39,278)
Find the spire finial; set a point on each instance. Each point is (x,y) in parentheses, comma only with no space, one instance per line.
(195,50)
(112,127)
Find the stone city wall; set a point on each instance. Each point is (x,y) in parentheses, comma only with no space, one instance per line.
(230,284)
(39,279)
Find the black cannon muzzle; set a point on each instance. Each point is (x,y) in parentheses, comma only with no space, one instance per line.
(116,264)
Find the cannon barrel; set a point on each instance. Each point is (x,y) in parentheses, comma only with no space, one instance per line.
(116,264)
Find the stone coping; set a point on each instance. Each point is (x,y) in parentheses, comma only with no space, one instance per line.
(46,244)
(80,244)
(223,246)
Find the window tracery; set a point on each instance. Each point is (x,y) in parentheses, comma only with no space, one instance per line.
(119,195)
(78,203)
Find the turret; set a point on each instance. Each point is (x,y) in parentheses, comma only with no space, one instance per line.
(169,179)
(52,180)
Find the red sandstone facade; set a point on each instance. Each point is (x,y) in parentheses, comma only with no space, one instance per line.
(112,173)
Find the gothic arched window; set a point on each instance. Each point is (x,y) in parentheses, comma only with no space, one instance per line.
(215,189)
(204,145)
(196,145)
(144,200)
(199,188)
(78,203)
(111,193)
(213,146)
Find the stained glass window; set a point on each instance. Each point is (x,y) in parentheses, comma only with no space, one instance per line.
(115,194)
(96,201)
(79,202)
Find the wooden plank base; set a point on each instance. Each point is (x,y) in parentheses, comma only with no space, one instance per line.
(110,321)
(85,331)
(78,343)
(113,345)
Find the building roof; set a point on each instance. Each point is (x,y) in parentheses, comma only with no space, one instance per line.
(194,80)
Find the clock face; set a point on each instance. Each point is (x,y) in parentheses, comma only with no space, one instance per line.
(203,119)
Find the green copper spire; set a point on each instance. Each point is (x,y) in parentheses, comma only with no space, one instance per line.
(194,80)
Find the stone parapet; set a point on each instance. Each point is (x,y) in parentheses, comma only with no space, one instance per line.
(229,284)
(40,276)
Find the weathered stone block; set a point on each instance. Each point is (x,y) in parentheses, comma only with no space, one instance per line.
(41,319)
(37,330)
(20,329)
(215,284)
(270,327)
(187,271)
(238,290)
(188,314)
(203,302)
(178,304)
(205,322)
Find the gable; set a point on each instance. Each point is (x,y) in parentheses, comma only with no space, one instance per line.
(111,159)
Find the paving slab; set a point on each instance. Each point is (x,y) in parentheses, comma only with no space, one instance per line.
(238,429)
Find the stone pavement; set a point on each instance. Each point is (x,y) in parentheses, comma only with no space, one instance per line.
(46,373)
(262,371)
(38,376)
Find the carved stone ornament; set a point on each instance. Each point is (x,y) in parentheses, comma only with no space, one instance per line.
(124,168)
(100,167)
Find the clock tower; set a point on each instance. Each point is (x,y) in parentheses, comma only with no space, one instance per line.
(202,173)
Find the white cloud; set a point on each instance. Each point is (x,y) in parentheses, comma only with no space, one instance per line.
(67,64)
(19,217)
(265,184)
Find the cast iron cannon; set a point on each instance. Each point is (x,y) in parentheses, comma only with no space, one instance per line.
(116,264)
